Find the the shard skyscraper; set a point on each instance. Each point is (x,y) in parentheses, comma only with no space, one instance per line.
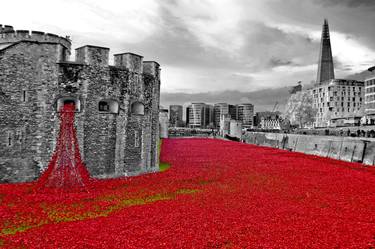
(325,64)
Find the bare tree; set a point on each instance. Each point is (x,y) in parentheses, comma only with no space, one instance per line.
(299,110)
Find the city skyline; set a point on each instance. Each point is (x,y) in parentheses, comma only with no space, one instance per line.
(207,46)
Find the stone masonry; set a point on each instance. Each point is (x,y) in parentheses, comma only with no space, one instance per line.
(117,107)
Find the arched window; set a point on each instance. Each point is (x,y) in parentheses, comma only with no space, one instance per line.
(138,108)
(108,106)
(68,100)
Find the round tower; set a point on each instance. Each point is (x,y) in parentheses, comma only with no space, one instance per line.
(9,36)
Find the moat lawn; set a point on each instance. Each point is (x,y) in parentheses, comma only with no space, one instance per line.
(216,194)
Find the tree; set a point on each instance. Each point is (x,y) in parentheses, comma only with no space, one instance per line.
(299,110)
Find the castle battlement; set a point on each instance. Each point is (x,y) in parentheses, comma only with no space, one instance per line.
(9,35)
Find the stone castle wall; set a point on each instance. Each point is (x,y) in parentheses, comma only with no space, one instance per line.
(36,79)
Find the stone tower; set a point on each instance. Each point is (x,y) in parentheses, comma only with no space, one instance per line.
(325,64)
(117,106)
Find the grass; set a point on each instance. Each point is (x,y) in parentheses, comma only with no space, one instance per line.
(77,212)
(163,166)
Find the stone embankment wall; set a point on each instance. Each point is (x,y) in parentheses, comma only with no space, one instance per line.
(349,149)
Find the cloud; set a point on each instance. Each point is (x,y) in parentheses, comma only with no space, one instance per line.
(208,45)
(349,3)
(275,62)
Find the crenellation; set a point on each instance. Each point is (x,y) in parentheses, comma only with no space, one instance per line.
(9,35)
(5,28)
(23,33)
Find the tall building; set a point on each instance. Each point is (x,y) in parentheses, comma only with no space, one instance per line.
(199,115)
(223,109)
(338,101)
(175,115)
(209,112)
(245,114)
(325,64)
(370,97)
(187,117)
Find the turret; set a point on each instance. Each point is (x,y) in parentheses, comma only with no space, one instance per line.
(92,55)
(10,36)
(152,67)
(130,61)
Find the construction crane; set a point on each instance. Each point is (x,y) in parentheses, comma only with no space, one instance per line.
(275,106)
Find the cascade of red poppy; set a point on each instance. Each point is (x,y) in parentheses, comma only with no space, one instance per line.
(65,169)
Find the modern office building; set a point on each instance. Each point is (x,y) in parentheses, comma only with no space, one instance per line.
(370,98)
(325,64)
(223,109)
(175,115)
(199,115)
(209,112)
(338,102)
(245,114)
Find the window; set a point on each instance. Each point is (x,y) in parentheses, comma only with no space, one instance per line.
(9,141)
(103,106)
(138,108)
(108,106)
(24,96)
(18,136)
(68,100)
(136,139)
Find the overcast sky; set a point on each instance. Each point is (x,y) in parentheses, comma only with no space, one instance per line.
(213,45)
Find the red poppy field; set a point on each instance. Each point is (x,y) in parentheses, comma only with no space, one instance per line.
(216,194)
